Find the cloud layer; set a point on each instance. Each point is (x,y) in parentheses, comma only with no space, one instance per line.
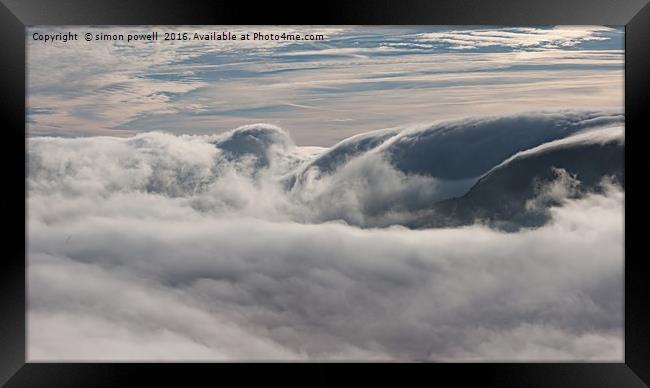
(519,37)
(244,246)
(324,91)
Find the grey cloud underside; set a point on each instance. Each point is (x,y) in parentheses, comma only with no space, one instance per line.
(502,197)
(389,245)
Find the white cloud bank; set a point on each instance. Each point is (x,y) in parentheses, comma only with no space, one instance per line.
(162,247)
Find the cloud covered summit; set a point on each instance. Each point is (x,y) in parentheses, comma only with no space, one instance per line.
(392,244)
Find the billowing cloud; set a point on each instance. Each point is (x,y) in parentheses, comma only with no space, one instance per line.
(376,179)
(238,246)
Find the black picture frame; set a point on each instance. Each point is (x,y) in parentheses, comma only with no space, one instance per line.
(15,15)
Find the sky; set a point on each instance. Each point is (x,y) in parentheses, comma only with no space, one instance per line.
(389,193)
(355,80)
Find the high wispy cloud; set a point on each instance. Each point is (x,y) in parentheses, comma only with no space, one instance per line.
(519,37)
(324,91)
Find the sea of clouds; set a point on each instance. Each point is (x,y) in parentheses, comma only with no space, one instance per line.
(244,246)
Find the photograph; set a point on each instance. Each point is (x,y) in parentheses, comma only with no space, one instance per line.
(434,193)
